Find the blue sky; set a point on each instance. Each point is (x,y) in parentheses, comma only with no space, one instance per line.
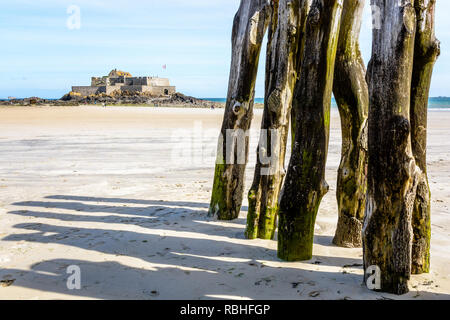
(41,56)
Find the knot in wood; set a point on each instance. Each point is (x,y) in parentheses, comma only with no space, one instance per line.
(436,48)
(237,108)
(400,128)
(292,30)
(314,15)
(274,100)
(346,172)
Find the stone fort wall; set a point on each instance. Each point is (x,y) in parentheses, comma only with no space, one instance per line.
(153,90)
(123,81)
(88,90)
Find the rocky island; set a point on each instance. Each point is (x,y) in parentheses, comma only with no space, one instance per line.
(121,88)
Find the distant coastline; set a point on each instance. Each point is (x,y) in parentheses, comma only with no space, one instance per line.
(434,102)
(439,103)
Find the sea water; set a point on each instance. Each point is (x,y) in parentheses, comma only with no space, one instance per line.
(442,103)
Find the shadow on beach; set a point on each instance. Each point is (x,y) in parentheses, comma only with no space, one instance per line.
(171,250)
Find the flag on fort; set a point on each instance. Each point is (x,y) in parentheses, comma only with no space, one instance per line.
(164,67)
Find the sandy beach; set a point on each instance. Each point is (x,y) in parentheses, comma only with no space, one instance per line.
(123,193)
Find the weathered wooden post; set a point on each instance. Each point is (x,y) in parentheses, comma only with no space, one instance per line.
(285,35)
(352,97)
(305,183)
(426,52)
(250,23)
(392,171)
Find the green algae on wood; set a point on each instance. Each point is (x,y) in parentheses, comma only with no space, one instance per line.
(352,97)
(281,74)
(250,24)
(426,52)
(392,172)
(305,183)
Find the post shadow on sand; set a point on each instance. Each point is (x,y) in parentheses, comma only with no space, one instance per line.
(148,213)
(99,280)
(135,201)
(93,208)
(198,255)
(151,221)
(63,235)
(148,216)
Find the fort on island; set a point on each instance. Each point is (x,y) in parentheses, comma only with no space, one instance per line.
(121,81)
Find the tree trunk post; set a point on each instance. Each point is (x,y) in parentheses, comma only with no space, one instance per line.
(392,171)
(352,97)
(285,34)
(305,183)
(300,53)
(426,52)
(250,24)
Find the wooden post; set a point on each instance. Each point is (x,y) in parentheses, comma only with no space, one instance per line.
(250,23)
(392,171)
(352,97)
(305,183)
(285,34)
(426,52)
